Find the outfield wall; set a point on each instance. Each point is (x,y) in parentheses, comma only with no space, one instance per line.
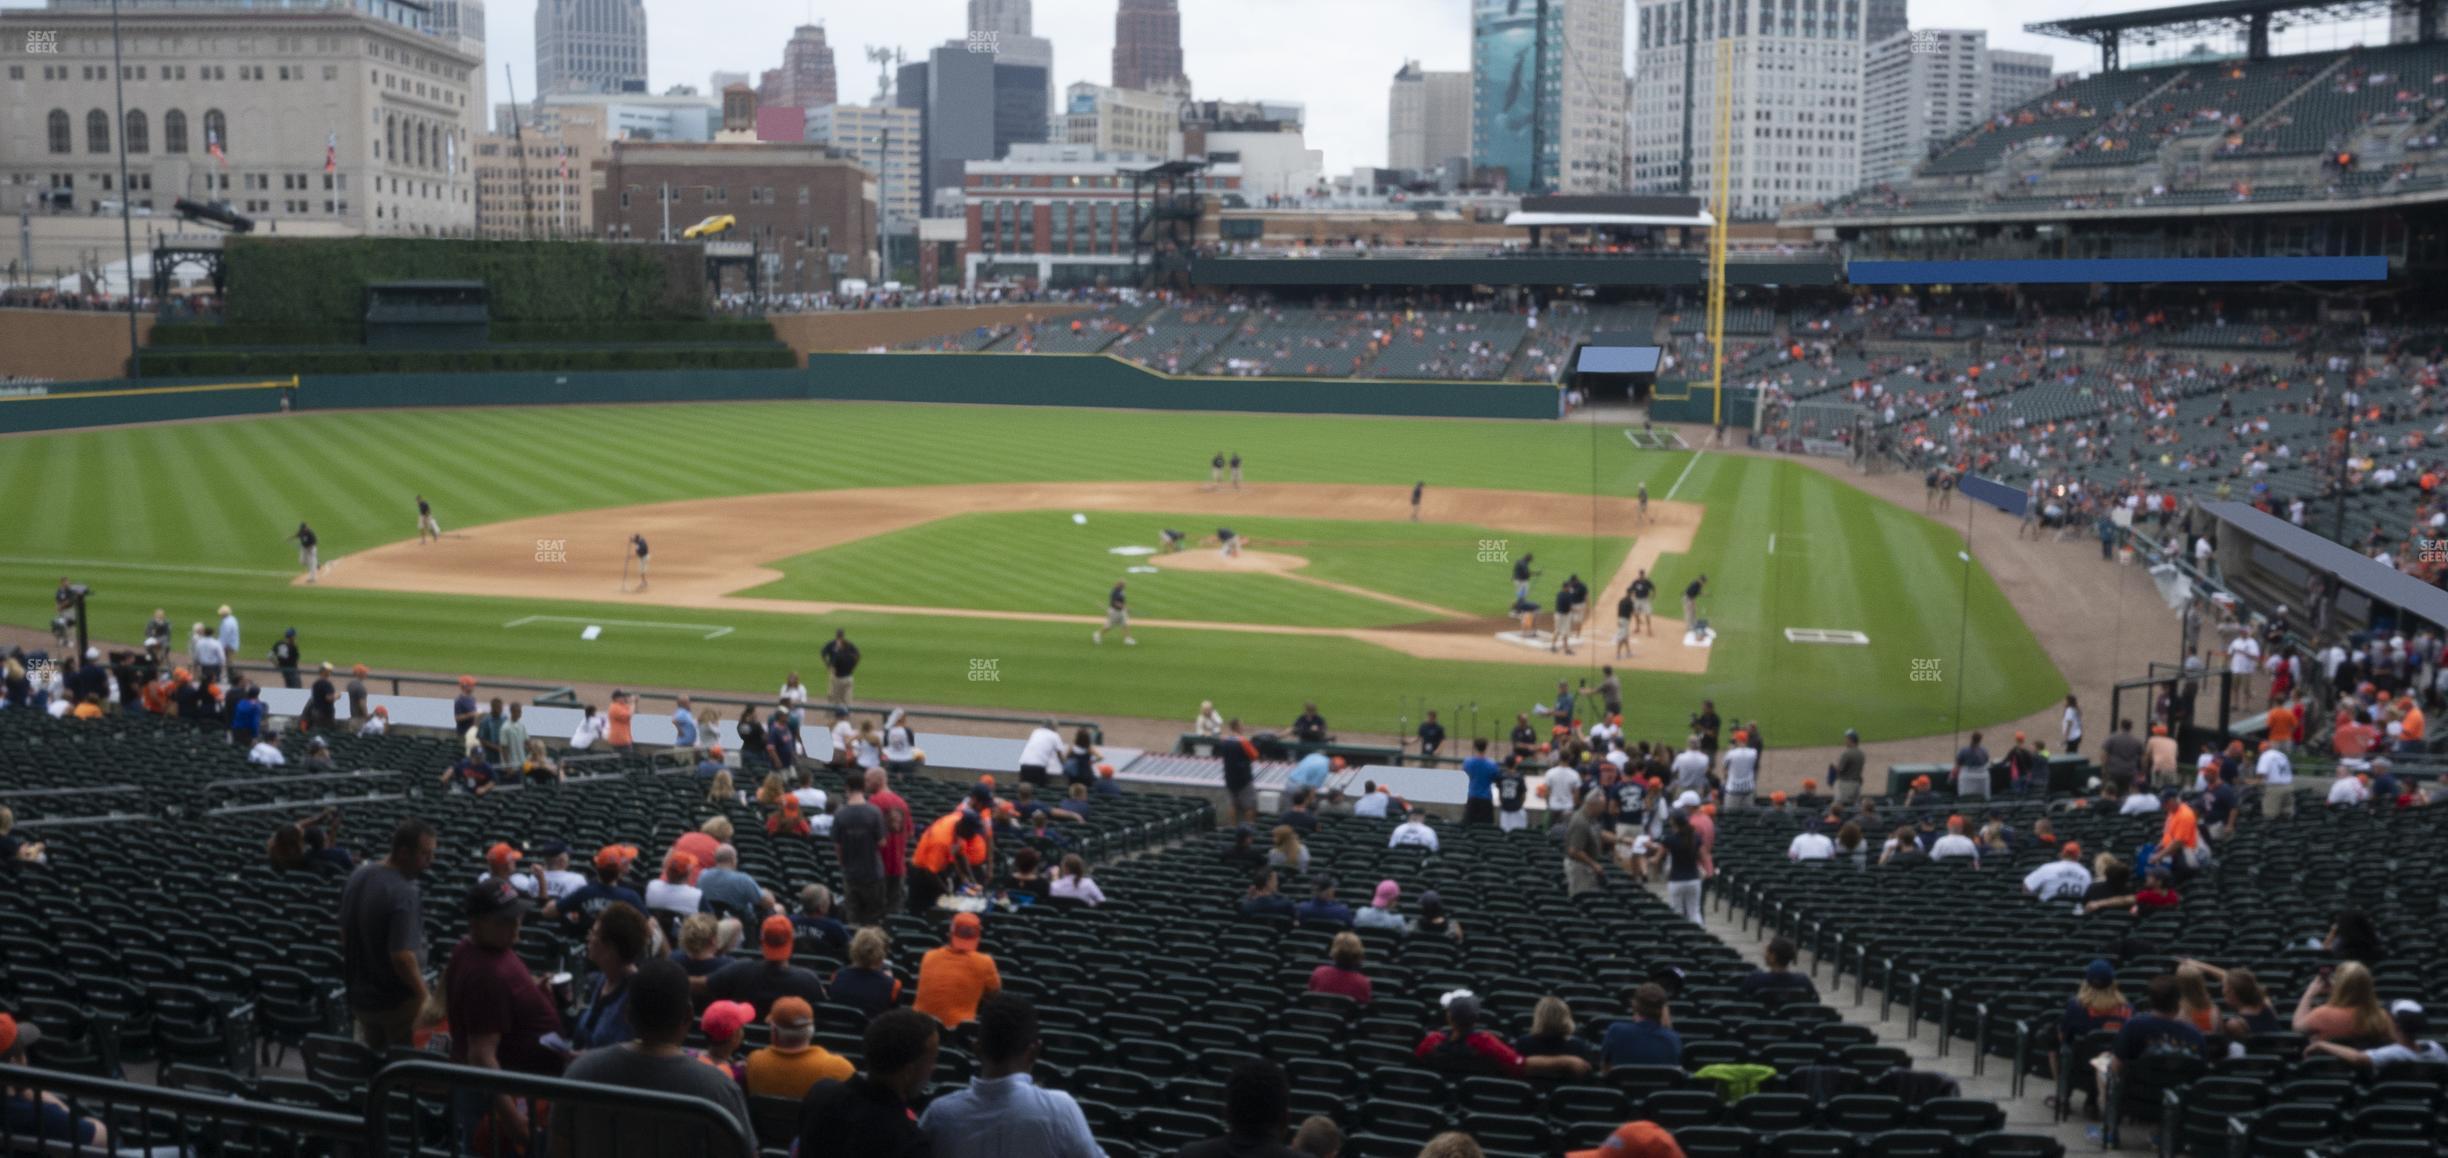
(1094,380)
(847,330)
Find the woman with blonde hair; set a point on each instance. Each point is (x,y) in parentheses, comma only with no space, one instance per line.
(2193,994)
(1550,1050)
(864,982)
(2097,1006)
(700,951)
(1289,852)
(2352,1015)
(1341,973)
(1210,723)
(770,793)
(719,790)
(1452,1144)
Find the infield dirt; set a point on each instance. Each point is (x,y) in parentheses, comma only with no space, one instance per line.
(704,551)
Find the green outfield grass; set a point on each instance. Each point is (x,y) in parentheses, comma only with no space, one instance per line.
(1042,561)
(189,516)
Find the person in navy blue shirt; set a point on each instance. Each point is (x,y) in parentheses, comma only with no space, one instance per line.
(1648,1039)
(1479,800)
(1431,735)
(246,717)
(781,746)
(1264,901)
(1322,906)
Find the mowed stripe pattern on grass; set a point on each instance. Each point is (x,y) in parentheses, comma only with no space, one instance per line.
(228,494)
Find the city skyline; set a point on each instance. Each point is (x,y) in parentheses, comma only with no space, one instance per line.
(1232,49)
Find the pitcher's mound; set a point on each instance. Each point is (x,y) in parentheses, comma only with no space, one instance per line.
(1209,559)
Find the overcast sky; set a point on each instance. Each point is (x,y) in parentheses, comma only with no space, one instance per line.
(1335,56)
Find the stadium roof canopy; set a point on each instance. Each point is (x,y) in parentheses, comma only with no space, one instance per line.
(2255,18)
(1600,211)
(2382,583)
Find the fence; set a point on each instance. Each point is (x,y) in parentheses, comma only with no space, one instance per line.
(411,1107)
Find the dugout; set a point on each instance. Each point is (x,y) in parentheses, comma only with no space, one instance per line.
(427,315)
(1616,364)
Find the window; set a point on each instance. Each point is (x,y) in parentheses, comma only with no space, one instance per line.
(331,72)
(16,72)
(139,140)
(216,131)
(97,132)
(60,138)
(174,132)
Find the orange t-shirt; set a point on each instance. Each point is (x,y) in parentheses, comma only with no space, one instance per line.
(87,710)
(779,1073)
(2414,724)
(2182,830)
(2281,724)
(934,851)
(620,713)
(952,981)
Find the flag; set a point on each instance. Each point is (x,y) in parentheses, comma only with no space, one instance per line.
(331,151)
(212,145)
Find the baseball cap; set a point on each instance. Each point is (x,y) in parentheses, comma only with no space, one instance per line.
(791,1011)
(15,1034)
(715,751)
(1776,798)
(1387,893)
(501,857)
(724,1019)
(2100,973)
(615,856)
(2072,848)
(1462,1005)
(1105,770)
(494,899)
(790,806)
(777,936)
(467,681)
(551,848)
(1634,1140)
(1689,799)
(966,929)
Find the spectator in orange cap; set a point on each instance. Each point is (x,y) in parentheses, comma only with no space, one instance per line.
(788,820)
(952,852)
(954,977)
(1634,1140)
(1918,792)
(464,709)
(726,1026)
(584,904)
(794,1063)
(771,977)
(1955,845)
(672,892)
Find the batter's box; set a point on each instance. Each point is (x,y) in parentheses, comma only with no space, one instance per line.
(1825,635)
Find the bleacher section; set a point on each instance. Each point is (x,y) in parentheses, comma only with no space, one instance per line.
(2399,84)
(2066,114)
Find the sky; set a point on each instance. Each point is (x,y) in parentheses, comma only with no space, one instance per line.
(1337,57)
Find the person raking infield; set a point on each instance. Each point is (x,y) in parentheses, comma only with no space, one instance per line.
(1117,616)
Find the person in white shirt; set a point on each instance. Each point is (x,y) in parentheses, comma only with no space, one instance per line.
(2277,776)
(1210,722)
(1074,882)
(2138,804)
(1811,844)
(1691,767)
(1041,754)
(1413,832)
(1373,801)
(2350,790)
(2243,658)
(591,728)
(2063,879)
(559,881)
(794,695)
(673,892)
(811,798)
(1741,776)
(376,723)
(1563,789)
(845,737)
(1605,735)
(900,742)
(266,754)
(1955,845)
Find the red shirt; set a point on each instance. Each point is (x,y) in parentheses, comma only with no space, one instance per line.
(2155,899)
(1351,983)
(895,849)
(700,847)
(488,991)
(1480,1042)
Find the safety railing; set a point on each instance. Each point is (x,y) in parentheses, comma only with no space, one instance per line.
(406,1098)
(103,1116)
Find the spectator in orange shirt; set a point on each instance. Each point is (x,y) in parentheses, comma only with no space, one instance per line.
(951,853)
(794,1062)
(2411,741)
(953,978)
(2353,737)
(2180,836)
(2282,726)
(619,715)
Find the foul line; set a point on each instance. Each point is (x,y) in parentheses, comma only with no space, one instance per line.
(1687,467)
(167,568)
(1772,542)
(711,632)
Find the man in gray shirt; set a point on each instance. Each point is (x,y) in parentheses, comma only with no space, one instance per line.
(382,939)
(660,1013)
(858,842)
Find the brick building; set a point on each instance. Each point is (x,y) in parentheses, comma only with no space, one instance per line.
(807,213)
(1059,215)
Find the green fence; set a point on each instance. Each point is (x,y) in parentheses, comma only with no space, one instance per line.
(293,280)
(1697,402)
(1091,380)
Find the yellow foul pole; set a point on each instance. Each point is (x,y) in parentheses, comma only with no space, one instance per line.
(1722,158)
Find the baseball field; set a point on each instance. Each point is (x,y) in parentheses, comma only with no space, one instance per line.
(969,551)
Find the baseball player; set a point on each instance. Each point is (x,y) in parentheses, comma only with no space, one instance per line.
(1172,541)
(1624,608)
(426,526)
(1641,514)
(1417,489)
(1215,472)
(1236,470)
(637,546)
(1228,542)
(1643,590)
(1691,600)
(1117,616)
(307,556)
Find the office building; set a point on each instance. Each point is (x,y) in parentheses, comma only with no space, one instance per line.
(590,45)
(1795,102)
(626,116)
(884,139)
(1118,120)
(806,78)
(1882,19)
(534,185)
(1428,119)
(1547,99)
(340,116)
(1270,166)
(1920,88)
(972,106)
(1147,52)
(807,212)
(1058,215)
(2015,77)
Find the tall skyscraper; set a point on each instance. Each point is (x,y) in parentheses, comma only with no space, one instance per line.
(1795,101)
(1920,87)
(1147,52)
(1547,95)
(462,22)
(1428,118)
(590,45)
(806,78)
(1008,17)
(2015,77)
(972,106)
(1885,18)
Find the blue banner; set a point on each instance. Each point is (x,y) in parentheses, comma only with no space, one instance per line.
(2011,500)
